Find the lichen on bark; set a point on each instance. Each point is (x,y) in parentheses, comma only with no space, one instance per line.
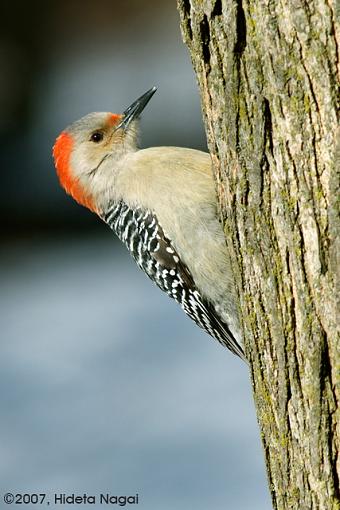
(268,74)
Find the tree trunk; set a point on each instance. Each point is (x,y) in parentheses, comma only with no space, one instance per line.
(268,76)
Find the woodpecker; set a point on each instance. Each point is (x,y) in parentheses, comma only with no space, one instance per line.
(161,203)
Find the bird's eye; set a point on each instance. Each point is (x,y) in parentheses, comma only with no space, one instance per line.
(97,136)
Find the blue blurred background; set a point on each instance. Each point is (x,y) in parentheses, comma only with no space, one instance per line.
(106,386)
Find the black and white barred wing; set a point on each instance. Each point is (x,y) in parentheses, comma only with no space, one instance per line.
(154,253)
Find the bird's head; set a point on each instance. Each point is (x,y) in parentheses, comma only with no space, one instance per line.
(84,149)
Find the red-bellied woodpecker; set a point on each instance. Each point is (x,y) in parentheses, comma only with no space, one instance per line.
(161,203)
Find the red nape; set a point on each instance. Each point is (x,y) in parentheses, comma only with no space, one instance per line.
(62,151)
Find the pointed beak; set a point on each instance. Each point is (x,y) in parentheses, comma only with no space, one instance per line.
(135,109)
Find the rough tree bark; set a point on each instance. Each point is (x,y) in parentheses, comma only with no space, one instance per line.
(268,75)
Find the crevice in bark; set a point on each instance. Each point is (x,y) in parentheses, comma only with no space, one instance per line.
(322,254)
(237,117)
(271,485)
(189,30)
(264,166)
(239,47)
(186,7)
(205,39)
(268,126)
(324,362)
(186,12)
(310,83)
(241,29)
(217,10)
(334,8)
(333,461)
(219,60)
(303,251)
(245,194)
(325,372)
(238,243)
